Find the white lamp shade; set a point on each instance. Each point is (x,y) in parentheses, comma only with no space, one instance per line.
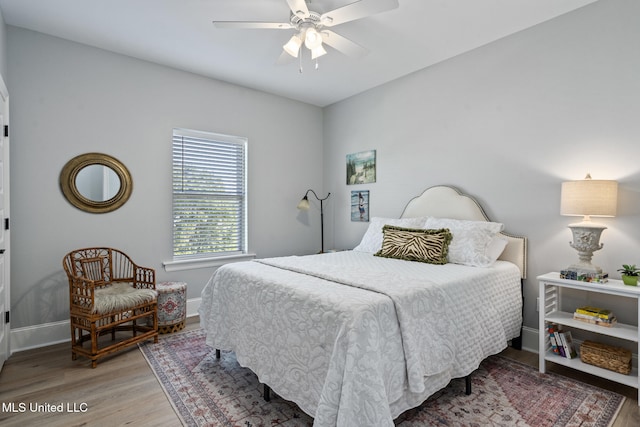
(293,46)
(312,39)
(589,197)
(318,51)
(304,204)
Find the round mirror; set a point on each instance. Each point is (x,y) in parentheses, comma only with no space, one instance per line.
(96,182)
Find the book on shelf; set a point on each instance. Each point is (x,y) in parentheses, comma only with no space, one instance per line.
(567,345)
(594,320)
(561,342)
(584,277)
(601,313)
(552,339)
(555,340)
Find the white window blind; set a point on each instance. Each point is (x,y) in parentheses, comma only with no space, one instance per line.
(209,194)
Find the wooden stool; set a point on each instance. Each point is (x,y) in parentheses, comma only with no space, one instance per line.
(172,306)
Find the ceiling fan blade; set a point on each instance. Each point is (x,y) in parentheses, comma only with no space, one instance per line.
(252,25)
(343,44)
(299,8)
(357,10)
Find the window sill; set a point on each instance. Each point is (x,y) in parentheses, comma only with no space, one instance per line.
(191,264)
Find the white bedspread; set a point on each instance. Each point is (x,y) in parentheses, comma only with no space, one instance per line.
(349,356)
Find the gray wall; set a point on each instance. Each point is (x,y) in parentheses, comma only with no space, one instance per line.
(3,47)
(68,99)
(507,123)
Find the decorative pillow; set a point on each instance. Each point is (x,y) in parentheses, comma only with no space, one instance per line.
(372,240)
(412,244)
(474,242)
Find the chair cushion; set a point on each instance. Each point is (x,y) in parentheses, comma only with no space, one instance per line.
(120,297)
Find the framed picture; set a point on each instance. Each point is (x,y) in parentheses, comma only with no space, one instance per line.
(361,167)
(360,206)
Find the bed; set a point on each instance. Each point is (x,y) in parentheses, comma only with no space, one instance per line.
(358,337)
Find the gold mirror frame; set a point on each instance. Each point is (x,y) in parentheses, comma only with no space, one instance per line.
(70,190)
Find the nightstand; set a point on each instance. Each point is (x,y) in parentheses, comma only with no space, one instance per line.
(550,295)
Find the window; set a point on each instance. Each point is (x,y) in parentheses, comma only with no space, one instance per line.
(209,194)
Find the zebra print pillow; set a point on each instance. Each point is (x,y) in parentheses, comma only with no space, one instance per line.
(411,244)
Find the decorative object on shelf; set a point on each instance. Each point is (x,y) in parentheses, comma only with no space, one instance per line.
(587,198)
(584,277)
(304,205)
(361,167)
(629,274)
(605,356)
(595,316)
(360,206)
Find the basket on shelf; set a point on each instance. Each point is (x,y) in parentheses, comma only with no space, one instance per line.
(605,356)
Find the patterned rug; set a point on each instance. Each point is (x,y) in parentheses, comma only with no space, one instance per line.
(206,391)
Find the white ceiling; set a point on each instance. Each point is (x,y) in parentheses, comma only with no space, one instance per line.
(180,34)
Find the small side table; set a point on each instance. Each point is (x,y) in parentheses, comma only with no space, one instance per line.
(550,288)
(172,306)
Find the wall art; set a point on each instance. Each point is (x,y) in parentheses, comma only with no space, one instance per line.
(360,206)
(361,167)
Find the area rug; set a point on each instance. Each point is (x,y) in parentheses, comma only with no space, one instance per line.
(206,391)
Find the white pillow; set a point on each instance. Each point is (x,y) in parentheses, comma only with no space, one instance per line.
(474,243)
(372,240)
(496,247)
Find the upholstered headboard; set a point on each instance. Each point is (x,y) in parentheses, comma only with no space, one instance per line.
(447,202)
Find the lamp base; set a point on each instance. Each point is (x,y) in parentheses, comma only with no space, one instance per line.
(586,240)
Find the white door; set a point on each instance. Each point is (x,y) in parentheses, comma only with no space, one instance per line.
(4,223)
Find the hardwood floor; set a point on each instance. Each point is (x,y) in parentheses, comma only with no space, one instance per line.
(123,390)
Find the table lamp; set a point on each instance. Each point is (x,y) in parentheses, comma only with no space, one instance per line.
(587,198)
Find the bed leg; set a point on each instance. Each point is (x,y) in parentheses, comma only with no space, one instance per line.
(217,354)
(267,393)
(467,382)
(517,342)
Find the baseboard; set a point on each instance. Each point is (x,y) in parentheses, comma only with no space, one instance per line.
(530,339)
(46,334)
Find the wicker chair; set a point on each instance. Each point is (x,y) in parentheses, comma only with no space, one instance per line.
(108,293)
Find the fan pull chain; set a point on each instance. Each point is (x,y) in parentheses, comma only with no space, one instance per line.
(300,60)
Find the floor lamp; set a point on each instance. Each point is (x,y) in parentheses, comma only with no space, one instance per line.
(304,205)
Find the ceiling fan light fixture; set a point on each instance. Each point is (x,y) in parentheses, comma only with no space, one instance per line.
(292,47)
(312,39)
(318,51)
(309,27)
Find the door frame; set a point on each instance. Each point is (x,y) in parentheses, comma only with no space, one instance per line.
(5,239)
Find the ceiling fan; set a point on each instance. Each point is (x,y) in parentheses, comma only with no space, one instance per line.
(311,27)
